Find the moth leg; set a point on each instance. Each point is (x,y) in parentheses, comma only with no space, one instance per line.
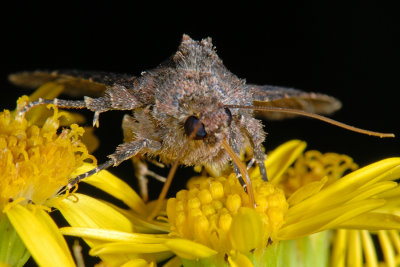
(256,136)
(116,97)
(82,176)
(76,104)
(260,157)
(142,172)
(251,163)
(123,152)
(238,174)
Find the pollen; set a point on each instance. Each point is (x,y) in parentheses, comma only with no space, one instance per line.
(36,161)
(313,166)
(208,209)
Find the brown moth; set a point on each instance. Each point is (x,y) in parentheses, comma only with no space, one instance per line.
(192,91)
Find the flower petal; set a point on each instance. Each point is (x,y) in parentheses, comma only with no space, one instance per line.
(329,219)
(114,186)
(306,191)
(373,221)
(141,224)
(85,211)
(189,250)
(338,255)
(47,90)
(239,260)
(387,248)
(282,157)
(139,263)
(41,236)
(246,232)
(346,187)
(371,259)
(114,236)
(127,248)
(354,251)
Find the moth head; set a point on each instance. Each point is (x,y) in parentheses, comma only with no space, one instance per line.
(210,126)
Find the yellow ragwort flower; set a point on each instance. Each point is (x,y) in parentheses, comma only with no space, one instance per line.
(211,222)
(351,247)
(35,163)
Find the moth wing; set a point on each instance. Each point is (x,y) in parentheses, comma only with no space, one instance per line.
(76,83)
(276,96)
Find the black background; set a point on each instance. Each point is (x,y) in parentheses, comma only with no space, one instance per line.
(350,51)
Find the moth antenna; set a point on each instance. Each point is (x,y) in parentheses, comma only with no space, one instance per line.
(171,174)
(314,116)
(242,169)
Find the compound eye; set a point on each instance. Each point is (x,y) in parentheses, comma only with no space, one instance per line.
(229,114)
(190,124)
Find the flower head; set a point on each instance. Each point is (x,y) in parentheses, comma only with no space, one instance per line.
(35,163)
(208,211)
(211,221)
(313,166)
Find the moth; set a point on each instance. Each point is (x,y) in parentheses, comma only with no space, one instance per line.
(190,110)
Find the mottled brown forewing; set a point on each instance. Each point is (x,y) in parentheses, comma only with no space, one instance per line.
(276,96)
(76,83)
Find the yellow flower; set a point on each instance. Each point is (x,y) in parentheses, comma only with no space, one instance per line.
(35,163)
(211,222)
(351,247)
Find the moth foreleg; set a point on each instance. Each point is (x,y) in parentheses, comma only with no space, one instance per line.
(238,174)
(260,157)
(116,97)
(123,152)
(76,104)
(256,137)
(127,150)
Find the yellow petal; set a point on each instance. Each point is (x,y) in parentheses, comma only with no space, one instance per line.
(141,224)
(127,248)
(114,186)
(282,157)
(139,263)
(374,189)
(113,236)
(47,90)
(41,236)
(246,230)
(395,238)
(344,189)
(373,221)
(239,260)
(190,250)
(85,211)
(394,193)
(330,219)
(387,248)
(371,259)
(306,191)
(354,252)
(338,255)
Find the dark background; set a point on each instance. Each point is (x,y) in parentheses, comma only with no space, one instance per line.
(349,51)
